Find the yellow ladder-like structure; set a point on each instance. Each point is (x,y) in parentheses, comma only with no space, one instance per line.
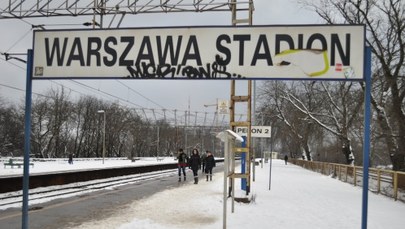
(245,20)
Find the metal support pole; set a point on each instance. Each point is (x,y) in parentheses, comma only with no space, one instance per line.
(271,156)
(262,145)
(253,122)
(185,132)
(27,140)
(225,196)
(366,147)
(104,137)
(243,161)
(249,138)
(228,137)
(103,112)
(157,143)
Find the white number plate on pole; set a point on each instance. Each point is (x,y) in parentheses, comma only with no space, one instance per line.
(256,131)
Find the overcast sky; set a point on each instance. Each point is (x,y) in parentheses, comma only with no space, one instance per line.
(179,94)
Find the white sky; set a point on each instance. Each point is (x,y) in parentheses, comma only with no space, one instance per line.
(17,38)
(298,199)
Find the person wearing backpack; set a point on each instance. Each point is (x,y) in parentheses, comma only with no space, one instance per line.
(182,161)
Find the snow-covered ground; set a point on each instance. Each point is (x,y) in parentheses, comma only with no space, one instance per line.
(298,199)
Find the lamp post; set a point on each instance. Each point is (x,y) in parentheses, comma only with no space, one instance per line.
(103,112)
(216,123)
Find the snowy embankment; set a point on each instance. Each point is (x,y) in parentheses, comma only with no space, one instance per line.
(61,164)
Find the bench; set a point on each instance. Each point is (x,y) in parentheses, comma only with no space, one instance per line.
(11,163)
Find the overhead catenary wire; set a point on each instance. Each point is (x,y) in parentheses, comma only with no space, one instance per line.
(109,95)
(18,41)
(131,89)
(156,111)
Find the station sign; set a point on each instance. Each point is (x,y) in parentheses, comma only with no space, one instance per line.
(256,131)
(315,52)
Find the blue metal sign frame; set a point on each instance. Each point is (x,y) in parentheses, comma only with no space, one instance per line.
(366,147)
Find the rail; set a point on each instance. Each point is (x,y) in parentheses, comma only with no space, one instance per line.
(381,181)
(59,191)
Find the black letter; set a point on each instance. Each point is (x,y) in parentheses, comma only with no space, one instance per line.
(123,61)
(321,38)
(266,55)
(93,52)
(79,56)
(223,49)
(286,38)
(110,51)
(241,39)
(336,43)
(187,55)
(55,48)
(174,57)
(149,54)
(300,41)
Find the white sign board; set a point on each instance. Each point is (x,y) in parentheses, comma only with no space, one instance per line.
(216,52)
(223,106)
(256,131)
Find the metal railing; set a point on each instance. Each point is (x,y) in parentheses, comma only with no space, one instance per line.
(381,181)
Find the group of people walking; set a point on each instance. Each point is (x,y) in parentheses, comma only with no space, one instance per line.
(194,162)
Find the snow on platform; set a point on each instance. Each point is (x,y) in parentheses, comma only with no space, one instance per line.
(298,199)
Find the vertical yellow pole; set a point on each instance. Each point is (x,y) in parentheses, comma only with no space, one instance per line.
(395,186)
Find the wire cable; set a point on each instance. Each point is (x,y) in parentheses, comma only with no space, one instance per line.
(141,95)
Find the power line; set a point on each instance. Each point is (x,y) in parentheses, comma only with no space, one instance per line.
(154,111)
(19,89)
(163,109)
(15,65)
(17,41)
(141,95)
(106,93)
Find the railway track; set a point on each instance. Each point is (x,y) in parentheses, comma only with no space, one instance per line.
(39,195)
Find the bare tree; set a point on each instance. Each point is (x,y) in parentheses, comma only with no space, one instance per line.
(60,111)
(309,108)
(41,129)
(85,126)
(385,22)
(11,131)
(276,97)
(50,131)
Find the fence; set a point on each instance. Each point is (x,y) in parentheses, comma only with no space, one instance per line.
(381,181)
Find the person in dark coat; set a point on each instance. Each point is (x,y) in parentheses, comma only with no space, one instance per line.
(195,164)
(70,159)
(182,161)
(203,157)
(209,165)
(286,159)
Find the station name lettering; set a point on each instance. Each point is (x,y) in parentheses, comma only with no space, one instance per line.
(186,50)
